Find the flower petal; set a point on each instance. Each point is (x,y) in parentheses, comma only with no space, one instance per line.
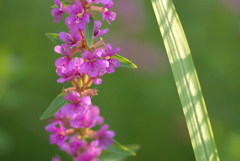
(58,3)
(110,134)
(52,127)
(58,49)
(97,53)
(66,109)
(65,37)
(86,55)
(86,100)
(97,81)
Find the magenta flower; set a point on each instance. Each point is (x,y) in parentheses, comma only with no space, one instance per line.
(112,61)
(57,158)
(100,1)
(57,11)
(97,31)
(78,18)
(89,119)
(74,145)
(71,40)
(65,72)
(94,66)
(59,136)
(66,147)
(78,105)
(77,62)
(104,136)
(91,152)
(108,15)
(63,49)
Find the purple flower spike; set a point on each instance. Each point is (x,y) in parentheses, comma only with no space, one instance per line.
(112,61)
(77,17)
(59,136)
(57,11)
(72,40)
(97,31)
(108,15)
(57,158)
(104,136)
(91,152)
(93,66)
(78,105)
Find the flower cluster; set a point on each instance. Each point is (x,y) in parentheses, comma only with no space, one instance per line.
(71,127)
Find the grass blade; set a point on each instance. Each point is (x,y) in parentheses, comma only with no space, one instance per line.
(186,79)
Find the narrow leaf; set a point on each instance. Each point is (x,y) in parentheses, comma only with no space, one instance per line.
(121,148)
(118,152)
(124,62)
(56,104)
(65,4)
(54,38)
(186,79)
(89,32)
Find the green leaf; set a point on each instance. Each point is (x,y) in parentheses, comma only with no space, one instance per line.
(89,32)
(65,4)
(187,82)
(124,62)
(118,152)
(54,38)
(56,104)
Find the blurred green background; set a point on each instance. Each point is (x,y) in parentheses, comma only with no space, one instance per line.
(140,105)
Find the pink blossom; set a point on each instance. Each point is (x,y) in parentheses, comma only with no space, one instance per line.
(88,120)
(66,72)
(94,67)
(78,105)
(74,145)
(72,40)
(57,11)
(108,15)
(91,152)
(112,61)
(97,31)
(59,135)
(104,136)
(77,62)
(78,18)
(63,49)
(99,1)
